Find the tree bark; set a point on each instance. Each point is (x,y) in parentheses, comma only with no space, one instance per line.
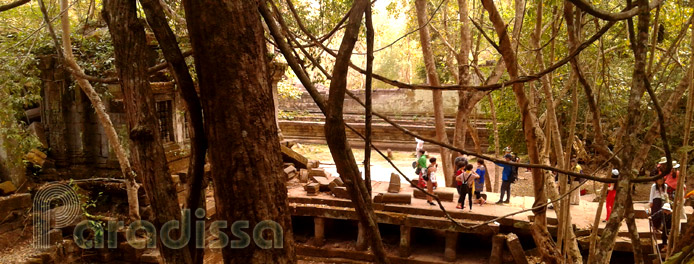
(679,193)
(628,139)
(147,152)
(433,79)
(245,156)
(337,138)
(529,120)
(198,141)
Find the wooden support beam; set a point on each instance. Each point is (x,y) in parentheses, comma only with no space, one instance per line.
(405,241)
(319,231)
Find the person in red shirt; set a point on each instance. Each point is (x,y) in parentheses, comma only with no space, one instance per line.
(611,193)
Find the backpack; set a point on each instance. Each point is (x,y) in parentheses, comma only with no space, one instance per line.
(514,174)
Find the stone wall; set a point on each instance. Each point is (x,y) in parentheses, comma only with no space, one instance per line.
(76,140)
(390,102)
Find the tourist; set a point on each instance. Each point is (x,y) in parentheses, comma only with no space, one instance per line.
(419,148)
(656,200)
(431,173)
(575,196)
(421,168)
(666,215)
(459,169)
(479,183)
(467,179)
(611,193)
(671,180)
(460,157)
(507,177)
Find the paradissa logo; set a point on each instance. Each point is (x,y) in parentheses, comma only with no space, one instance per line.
(237,229)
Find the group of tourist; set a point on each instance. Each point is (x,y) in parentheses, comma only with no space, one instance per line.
(662,198)
(468,182)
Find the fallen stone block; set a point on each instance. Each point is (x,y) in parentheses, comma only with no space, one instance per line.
(341,192)
(14,202)
(313,164)
(289,155)
(7,188)
(312,189)
(444,196)
(394,186)
(395,198)
(303,176)
(150,257)
(287,164)
(316,172)
(336,182)
(323,182)
(289,172)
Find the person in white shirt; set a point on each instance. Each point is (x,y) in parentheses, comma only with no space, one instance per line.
(656,200)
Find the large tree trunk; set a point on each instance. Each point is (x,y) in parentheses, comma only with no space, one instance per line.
(337,142)
(337,137)
(433,79)
(198,143)
(239,120)
(628,138)
(149,159)
(541,236)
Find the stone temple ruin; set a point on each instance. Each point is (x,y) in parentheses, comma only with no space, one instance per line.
(324,220)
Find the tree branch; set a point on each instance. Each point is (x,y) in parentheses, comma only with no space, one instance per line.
(13,5)
(590,9)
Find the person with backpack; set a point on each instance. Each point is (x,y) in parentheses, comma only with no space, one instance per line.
(420,166)
(479,183)
(508,176)
(467,184)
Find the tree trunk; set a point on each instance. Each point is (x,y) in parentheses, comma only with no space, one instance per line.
(679,193)
(338,140)
(433,79)
(104,119)
(149,159)
(628,139)
(198,141)
(245,156)
(529,120)
(633,232)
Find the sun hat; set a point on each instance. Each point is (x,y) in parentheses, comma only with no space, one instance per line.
(662,160)
(675,165)
(615,172)
(666,206)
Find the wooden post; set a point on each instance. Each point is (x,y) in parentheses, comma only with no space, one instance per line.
(516,249)
(361,238)
(319,231)
(451,242)
(497,248)
(405,239)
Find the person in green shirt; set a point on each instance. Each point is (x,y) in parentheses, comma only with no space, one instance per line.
(422,162)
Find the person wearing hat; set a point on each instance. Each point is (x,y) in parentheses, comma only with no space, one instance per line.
(611,194)
(665,216)
(671,179)
(507,178)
